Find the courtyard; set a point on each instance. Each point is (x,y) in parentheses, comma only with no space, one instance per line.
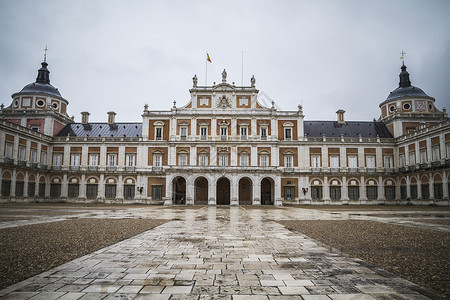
(92,251)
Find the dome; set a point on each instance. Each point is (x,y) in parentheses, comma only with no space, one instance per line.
(42,84)
(410,91)
(41,88)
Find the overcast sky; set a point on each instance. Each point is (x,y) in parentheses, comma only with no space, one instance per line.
(327,55)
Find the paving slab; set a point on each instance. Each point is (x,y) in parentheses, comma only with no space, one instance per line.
(214,253)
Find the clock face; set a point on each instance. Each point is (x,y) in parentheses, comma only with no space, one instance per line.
(420,106)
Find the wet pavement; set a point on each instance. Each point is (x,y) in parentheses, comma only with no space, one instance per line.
(215,253)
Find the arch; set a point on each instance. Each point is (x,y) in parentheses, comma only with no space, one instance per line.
(129,187)
(31,178)
(371,182)
(42,179)
(335,182)
(403,181)
(413,180)
(353,181)
(6,175)
(92,180)
(74,180)
(424,179)
(56,179)
(353,188)
(110,180)
(389,181)
(201,190)
(129,180)
(179,190)
(19,176)
(437,178)
(316,181)
(267,191)
(223,187)
(245,191)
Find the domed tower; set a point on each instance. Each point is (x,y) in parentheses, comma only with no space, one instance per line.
(407,108)
(38,106)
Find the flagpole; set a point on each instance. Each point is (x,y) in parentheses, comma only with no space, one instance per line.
(206,70)
(242,69)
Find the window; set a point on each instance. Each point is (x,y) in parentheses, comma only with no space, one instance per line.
(182,159)
(33,155)
(334,161)
(91,191)
(19,188)
(55,190)
(112,160)
(413,189)
(41,190)
(370,161)
(244,160)
(244,133)
(316,192)
(223,133)
(6,188)
(75,159)
(335,192)
(402,160)
(21,153)
(435,153)
(423,156)
(57,159)
(73,190)
(183,133)
(44,158)
(288,134)
(353,192)
(157,160)
(110,191)
(447,146)
(315,161)
(158,133)
(372,192)
(438,193)
(223,160)
(203,133)
(264,160)
(130,160)
(425,191)
(128,191)
(31,189)
(203,160)
(263,133)
(156,192)
(8,150)
(412,158)
(389,192)
(289,193)
(352,161)
(288,159)
(388,162)
(93,160)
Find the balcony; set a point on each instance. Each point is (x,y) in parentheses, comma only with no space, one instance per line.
(157,169)
(370,170)
(402,169)
(243,137)
(334,170)
(203,137)
(74,168)
(183,137)
(33,165)
(111,168)
(93,168)
(388,170)
(288,170)
(44,167)
(424,166)
(130,168)
(316,170)
(22,163)
(447,163)
(264,138)
(9,161)
(436,164)
(411,168)
(353,170)
(56,168)
(223,137)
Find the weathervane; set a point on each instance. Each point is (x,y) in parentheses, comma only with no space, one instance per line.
(45,53)
(402,57)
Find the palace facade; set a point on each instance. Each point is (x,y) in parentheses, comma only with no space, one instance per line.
(224,147)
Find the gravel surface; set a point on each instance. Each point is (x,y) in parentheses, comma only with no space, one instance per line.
(364,208)
(419,255)
(433,221)
(32,249)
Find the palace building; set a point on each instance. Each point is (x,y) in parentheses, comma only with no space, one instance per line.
(224,147)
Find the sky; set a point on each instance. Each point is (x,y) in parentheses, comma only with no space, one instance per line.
(117,55)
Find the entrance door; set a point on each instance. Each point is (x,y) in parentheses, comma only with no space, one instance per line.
(223,191)
(267,191)
(201,191)
(245,191)
(179,190)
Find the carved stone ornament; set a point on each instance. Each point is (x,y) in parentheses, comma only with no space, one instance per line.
(224,102)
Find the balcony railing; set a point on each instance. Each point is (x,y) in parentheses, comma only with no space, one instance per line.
(334,170)
(157,169)
(9,161)
(183,137)
(130,168)
(370,170)
(288,170)
(56,168)
(353,170)
(44,167)
(74,168)
(424,166)
(111,168)
(22,163)
(93,168)
(316,170)
(33,165)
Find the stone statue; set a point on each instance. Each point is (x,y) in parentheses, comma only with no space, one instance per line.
(224,76)
(253,80)
(195,80)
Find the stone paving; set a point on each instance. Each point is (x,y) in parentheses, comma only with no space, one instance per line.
(215,253)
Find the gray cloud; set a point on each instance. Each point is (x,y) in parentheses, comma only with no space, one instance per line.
(119,55)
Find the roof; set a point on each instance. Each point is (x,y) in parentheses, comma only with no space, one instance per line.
(367,129)
(41,88)
(102,130)
(409,91)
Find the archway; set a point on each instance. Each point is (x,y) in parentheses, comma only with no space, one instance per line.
(267,191)
(223,191)
(201,191)
(179,190)
(245,191)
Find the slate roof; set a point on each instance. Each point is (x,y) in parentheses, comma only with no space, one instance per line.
(367,129)
(41,88)
(102,130)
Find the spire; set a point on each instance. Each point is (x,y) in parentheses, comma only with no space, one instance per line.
(404,77)
(43,74)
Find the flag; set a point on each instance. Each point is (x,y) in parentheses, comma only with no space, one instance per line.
(208,58)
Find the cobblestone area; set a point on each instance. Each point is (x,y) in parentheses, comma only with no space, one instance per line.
(216,253)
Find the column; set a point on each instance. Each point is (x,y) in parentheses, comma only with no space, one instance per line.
(344,191)
(212,190)
(381,189)
(362,190)
(326,191)
(168,198)
(256,191)
(234,190)
(82,192)
(431,188)
(444,185)
(25,187)
(119,195)
(277,186)
(64,188)
(193,129)
(101,189)
(419,188)
(12,195)
(190,190)
(408,187)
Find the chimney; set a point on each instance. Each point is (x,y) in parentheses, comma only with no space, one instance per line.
(340,116)
(111,116)
(84,117)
